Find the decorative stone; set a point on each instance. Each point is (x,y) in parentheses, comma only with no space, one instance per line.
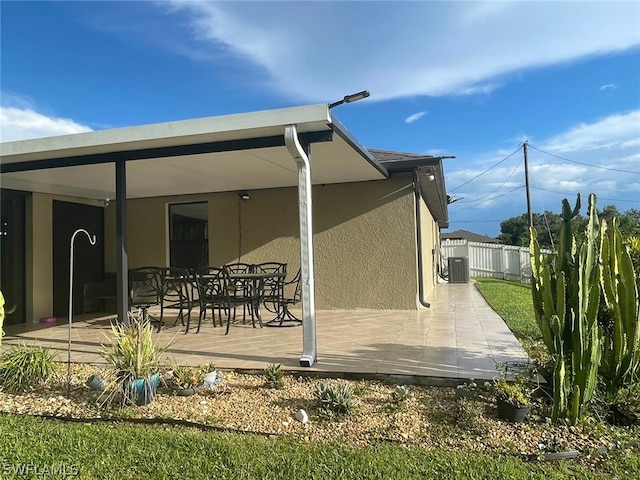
(301,416)
(212,378)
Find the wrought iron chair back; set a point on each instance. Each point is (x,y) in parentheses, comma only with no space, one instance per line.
(145,291)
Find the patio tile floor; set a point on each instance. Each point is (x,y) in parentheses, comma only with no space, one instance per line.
(458,338)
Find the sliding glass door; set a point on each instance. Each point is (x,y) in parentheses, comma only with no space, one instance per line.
(13,254)
(188,234)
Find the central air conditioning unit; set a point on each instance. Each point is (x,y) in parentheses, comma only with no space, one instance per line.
(458,269)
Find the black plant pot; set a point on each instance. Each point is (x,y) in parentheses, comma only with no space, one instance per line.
(187,392)
(512,413)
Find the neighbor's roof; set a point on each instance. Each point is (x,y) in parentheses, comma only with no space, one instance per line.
(225,153)
(469,236)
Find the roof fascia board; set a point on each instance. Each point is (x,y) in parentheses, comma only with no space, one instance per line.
(226,127)
(410,165)
(163,152)
(338,128)
(439,209)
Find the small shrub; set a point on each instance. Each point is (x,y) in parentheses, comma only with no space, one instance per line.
(401,393)
(185,377)
(336,398)
(273,373)
(179,377)
(24,367)
(467,390)
(518,392)
(626,405)
(208,368)
(360,389)
(399,396)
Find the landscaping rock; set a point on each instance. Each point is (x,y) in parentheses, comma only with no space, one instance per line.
(301,416)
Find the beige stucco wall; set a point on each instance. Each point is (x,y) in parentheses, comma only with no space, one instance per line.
(39,252)
(429,234)
(365,245)
(364,239)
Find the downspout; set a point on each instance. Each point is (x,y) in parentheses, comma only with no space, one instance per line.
(309,353)
(416,191)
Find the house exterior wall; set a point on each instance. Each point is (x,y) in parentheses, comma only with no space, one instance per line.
(364,238)
(365,242)
(365,245)
(430,237)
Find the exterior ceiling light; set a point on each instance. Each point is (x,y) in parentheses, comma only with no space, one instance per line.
(354,97)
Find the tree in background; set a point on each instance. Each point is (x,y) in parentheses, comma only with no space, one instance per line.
(515,230)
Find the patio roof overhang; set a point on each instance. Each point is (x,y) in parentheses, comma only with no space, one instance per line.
(248,151)
(226,153)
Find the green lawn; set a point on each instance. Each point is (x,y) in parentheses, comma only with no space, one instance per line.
(513,302)
(120,451)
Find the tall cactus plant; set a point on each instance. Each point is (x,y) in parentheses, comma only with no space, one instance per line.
(566,294)
(621,347)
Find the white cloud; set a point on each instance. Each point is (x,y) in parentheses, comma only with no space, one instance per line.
(25,123)
(609,86)
(321,50)
(616,132)
(415,116)
(607,149)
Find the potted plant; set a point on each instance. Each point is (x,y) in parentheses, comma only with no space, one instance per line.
(513,397)
(135,357)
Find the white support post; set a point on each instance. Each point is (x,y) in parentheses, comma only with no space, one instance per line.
(309,353)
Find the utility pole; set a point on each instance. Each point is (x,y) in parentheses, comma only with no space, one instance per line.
(525,147)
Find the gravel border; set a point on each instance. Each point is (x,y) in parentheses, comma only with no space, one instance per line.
(428,417)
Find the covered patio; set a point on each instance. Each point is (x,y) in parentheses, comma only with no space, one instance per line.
(459,337)
(256,150)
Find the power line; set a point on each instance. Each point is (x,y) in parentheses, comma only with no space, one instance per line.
(546,221)
(488,169)
(586,164)
(600,198)
(477,221)
(519,187)
(501,207)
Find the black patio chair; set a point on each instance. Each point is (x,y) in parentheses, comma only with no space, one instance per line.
(241,288)
(292,295)
(272,287)
(145,291)
(216,291)
(177,292)
(209,284)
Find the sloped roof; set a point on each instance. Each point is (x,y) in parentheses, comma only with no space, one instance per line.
(430,176)
(469,236)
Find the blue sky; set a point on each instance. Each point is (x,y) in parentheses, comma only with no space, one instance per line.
(472,80)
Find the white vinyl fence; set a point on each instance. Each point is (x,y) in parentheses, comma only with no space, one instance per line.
(507,262)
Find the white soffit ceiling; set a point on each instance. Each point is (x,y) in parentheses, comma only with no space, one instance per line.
(337,161)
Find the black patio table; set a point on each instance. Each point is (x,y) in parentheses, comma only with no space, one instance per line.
(256,280)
